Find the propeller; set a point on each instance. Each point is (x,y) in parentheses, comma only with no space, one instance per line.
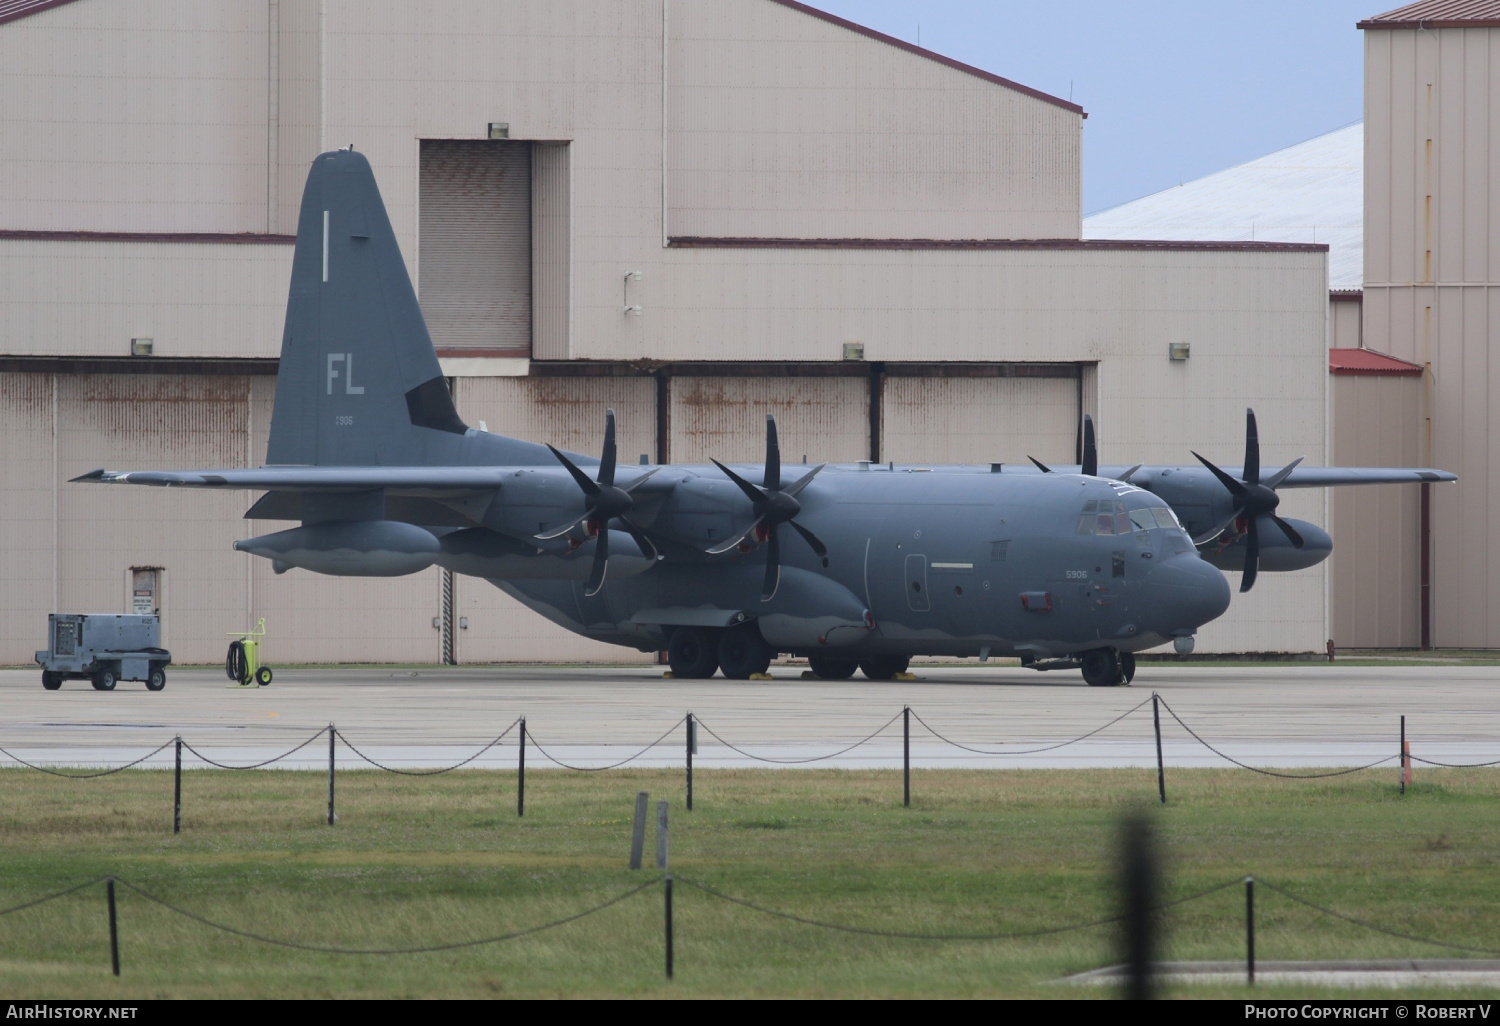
(1253,499)
(773,506)
(603,501)
(1090,466)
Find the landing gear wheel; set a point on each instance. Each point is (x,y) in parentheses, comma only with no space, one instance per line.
(830,668)
(263,676)
(742,653)
(1127,666)
(51,681)
(693,653)
(157,680)
(105,680)
(1101,668)
(883,667)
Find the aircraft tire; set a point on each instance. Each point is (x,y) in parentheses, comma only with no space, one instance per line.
(1127,666)
(742,653)
(883,667)
(830,668)
(693,653)
(51,681)
(1101,668)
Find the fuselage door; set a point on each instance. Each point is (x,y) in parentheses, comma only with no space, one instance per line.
(916,583)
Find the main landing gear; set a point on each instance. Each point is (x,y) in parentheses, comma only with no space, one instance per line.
(695,653)
(1106,668)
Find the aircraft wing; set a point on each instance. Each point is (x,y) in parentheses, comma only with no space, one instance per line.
(413,480)
(1323,477)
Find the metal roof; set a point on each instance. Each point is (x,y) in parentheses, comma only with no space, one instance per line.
(1311,192)
(1430,14)
(11,10)
(1368,361)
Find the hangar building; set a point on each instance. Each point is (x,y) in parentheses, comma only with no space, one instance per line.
(692,211)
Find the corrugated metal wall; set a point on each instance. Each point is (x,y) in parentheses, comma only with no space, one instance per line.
(1345,323)
(475,262)
(1374,599)
(29,488)
(552,251)
(1432,287)
(825,419)
(979,420)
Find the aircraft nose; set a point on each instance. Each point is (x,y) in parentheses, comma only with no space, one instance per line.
(1186,593)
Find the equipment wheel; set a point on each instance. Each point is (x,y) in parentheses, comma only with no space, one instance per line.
(157,679)
(51,680)
(742,653)
(693,653)
(105,680)
(1101,668)
(831,668)
(263,676)
(1127,666)
(884,667)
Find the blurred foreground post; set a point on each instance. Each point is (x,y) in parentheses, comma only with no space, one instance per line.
(638,829)
(1138,881)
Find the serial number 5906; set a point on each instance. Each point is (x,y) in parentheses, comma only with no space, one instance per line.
(344,421)
(1078,575)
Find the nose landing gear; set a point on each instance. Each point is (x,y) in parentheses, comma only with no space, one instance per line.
(1106,668)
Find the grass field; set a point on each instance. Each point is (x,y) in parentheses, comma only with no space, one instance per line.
(417,861)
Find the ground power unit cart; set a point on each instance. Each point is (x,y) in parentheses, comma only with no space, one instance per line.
(103,648)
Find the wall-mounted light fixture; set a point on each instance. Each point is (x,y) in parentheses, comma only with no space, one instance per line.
(499,129)
(141,346)
(854,350)
(630,276)
(1178,350)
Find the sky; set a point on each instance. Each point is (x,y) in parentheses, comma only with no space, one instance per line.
(1174,89)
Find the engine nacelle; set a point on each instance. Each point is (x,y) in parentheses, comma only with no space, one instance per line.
(1277,554)
(349,548)
(478,552)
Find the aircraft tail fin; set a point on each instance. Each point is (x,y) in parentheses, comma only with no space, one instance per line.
(359,382)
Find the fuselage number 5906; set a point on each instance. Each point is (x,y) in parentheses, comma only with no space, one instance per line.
(1078,575)
(344,420)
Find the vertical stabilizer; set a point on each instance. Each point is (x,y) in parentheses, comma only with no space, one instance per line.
(359,383)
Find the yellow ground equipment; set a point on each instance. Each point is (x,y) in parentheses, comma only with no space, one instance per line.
(242,664)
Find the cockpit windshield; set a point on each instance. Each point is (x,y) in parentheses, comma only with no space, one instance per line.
(1109,516)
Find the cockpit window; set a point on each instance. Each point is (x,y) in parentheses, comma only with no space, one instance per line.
(1103,516)
(1166,518)
(1142,519)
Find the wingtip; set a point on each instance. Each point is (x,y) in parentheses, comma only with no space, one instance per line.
(93,475)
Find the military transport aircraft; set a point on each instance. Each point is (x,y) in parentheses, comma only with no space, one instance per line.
(853,567)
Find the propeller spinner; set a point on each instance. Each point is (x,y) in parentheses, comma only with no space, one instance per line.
(603,501)
(1253,499)
(773,506)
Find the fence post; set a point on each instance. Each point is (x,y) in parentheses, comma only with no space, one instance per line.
(1405,759)
(906,756)
(1138,871)
(661,835)
(177,791)
(1161,772)
(692,742)
(521,773)
(114,930)
(638,829)
(667,890)
(1250,929)
(332,738)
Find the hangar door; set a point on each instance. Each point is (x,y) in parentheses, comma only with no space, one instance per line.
(474,246)
(980,419)
(825,419)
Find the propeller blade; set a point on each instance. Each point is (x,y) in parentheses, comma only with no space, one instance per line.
(607,461)
(601,564)
(1235,488)
(1090,448)
(734,542)
(632,486)
(1252,558)
(755,494)
(1208,536)
(558,532)
(1040,465)
(813,542)
(796,489)
(1252,449)
(1125,477)
(1288,530)
(588,484)
(1281,475)
(772,478)
(773,565)
(634,530)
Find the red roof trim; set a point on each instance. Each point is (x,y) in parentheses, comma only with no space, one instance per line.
(1433,14)
(14,10)
(699,242)
(231,238)
(900,44)
(1369,362)
(1346,295)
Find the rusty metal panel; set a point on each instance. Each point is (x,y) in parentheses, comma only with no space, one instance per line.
(147,116)
(1374,599)
(979,420)
(63,298)
(786,125)
(824,419)
(28,484)
(552,251)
